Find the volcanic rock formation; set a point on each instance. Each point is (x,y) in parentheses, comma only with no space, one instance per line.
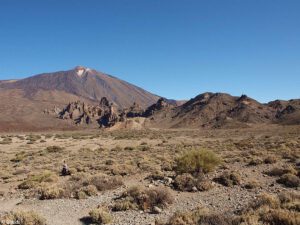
(103,114)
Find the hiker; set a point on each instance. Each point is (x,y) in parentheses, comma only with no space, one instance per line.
(65,170)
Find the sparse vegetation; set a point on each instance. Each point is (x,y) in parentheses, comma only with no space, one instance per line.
(99,170)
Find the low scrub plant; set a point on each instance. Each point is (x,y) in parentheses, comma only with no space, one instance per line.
(144,199)
(100,215)
(197,161)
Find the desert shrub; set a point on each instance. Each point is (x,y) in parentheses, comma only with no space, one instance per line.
(101,215)
(129,148)
(109,162)
(277,171)
(255,162)
(291,155)
(186,182)
(20,156)
(270,159)
(144,199)
(269,216)
(103,182)
(124,205)
(216,219)
(156,175)
(86,191)
(144,148)
(290,200)
(122,169)
(251,184)
(20,137)
(117,149)
(271,210)
(197,161)
(35,180)
(289,180)
(229,179)
(281,217)
(188,218)
(265,199)
(54,149)
(6,141)
(82,185)
(32,138)
(47,136)
(28,218)
(50,192)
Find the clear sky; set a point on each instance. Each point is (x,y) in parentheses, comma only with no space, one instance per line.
(173,48)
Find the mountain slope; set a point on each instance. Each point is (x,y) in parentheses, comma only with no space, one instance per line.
(86,83)
(23,101)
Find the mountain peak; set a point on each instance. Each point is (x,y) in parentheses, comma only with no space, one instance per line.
(80,70)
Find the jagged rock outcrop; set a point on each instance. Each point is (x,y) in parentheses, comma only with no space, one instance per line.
(288,112)
(134,111)
(103,114)
(161,104)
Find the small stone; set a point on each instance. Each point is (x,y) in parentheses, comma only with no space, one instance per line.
(157,210)
(168,180)
(194,189)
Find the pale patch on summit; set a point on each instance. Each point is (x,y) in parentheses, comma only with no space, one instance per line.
(80,70)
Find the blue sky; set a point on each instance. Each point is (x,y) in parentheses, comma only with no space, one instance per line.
(174,48)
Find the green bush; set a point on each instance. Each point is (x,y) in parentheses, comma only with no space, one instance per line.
(197,161)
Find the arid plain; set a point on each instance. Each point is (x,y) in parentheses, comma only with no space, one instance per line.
(152,176)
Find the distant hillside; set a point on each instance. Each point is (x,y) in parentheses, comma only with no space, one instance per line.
(223,110)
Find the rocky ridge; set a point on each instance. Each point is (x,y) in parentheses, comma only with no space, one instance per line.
(213,110)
